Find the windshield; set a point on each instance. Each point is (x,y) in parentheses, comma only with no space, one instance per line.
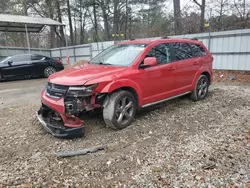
(119,55)
(4,60)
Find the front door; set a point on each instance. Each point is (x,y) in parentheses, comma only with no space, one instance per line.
(156,82)
(20,66)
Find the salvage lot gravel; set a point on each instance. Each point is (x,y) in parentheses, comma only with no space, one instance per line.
(179,143)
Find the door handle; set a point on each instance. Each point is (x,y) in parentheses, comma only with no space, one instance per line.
(171,68)
(196,63)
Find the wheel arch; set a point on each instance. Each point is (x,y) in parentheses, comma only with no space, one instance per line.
(202,71)
(1,76)
(207,75)
(125,85)
(131,90)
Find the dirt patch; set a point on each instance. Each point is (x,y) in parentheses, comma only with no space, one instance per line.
(180,143)
(231,76)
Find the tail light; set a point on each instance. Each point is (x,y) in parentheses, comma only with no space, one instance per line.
(59,61)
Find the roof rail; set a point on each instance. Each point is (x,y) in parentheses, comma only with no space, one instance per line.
(165,37)
(131,39)
(195,38)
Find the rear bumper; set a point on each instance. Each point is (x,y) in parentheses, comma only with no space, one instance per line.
(60,132)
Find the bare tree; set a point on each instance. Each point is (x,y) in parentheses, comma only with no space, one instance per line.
(202,8)
(116,18)
(177,17)
(51,6)
(82,15)
(126,20)
(70,23)
(59,15)
(95,22)
(242,11)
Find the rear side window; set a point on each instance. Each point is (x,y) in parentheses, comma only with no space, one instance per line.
(37,57)
(182,51)
(161,52)
(198,50)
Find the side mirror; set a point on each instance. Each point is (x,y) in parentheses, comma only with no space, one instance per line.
(9,62)
(149,62)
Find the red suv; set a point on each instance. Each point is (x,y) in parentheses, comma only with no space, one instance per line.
(123,78)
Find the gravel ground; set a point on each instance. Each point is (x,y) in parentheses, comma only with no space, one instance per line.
(175,144)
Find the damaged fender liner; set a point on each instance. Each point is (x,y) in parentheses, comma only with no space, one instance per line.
(60,131)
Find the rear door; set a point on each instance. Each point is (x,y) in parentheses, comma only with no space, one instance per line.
(185,66)
(200,52)
(39,63)
(20,66)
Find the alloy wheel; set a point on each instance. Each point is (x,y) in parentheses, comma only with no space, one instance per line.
(202,88)
(49,71)
(124,110)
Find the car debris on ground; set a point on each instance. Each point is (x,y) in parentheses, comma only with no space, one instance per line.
(80,152)
(180,143)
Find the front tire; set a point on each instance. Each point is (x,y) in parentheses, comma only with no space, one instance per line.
(49,71)
(201,89)
(120,110)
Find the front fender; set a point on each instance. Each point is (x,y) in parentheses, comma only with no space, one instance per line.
(198,73)
(124,83)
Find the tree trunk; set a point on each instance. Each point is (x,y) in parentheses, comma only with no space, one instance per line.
(70,23)
(177,17)
(25,7)
(126,20)
(202,21)
(115,22)
(59,14)
(130,26)
(105,19)
(83,28)
(106,24)
(52,36)
(52,28)
(81,24)
(95,23)
(75,33)
(244,15)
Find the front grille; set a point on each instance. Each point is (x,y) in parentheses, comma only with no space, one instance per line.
(56,91)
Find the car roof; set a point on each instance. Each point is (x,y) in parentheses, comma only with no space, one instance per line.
(152,41)
(27,54)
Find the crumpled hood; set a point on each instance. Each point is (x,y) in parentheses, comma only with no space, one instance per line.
(79,75)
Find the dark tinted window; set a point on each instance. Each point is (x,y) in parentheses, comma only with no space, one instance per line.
(20,58)
(37,57)
(182,51)
(161,52)
(198,51)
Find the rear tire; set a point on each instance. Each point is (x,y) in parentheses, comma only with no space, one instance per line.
(120,110)
(201,88)
(49,71)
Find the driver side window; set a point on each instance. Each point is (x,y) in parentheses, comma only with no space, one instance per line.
(161,52)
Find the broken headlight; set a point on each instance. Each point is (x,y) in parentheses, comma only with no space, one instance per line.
(81,91)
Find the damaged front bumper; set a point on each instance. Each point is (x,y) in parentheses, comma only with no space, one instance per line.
(61,116)
(60,132)
(55,121)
